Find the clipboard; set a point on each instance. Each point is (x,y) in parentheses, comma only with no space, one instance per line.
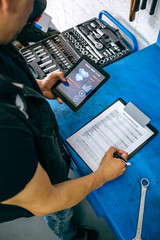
(120,125)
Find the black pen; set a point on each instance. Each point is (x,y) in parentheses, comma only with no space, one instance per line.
(116,154)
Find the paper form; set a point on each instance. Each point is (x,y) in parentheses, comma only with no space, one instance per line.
(113,127)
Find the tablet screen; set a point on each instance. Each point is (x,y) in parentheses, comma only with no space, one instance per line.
(81,82)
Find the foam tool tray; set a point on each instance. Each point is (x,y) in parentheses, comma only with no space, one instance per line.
(100,42)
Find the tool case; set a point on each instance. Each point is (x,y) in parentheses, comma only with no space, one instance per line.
(94,38)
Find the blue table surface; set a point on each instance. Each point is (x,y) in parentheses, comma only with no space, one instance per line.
(135,78)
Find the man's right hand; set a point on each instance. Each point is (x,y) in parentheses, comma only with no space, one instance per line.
(111,167)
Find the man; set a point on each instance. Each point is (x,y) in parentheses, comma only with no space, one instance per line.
(33,162)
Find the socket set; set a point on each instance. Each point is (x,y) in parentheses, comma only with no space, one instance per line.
(48,55)
(102,43)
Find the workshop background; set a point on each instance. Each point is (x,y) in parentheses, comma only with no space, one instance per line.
(145,27)
(66,14)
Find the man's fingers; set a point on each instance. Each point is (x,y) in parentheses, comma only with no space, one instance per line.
(56,76)
(111,151)
(122,163)
(59,100)
(123,153)
(59,76)
(62,77)
(124,169)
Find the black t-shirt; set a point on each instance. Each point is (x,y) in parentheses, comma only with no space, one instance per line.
(18,160)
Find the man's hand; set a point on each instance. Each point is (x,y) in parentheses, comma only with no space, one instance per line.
(111,167)
(47,83)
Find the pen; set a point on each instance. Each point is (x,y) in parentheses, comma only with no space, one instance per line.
(116,154)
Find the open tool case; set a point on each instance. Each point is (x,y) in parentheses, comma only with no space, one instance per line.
(94,38)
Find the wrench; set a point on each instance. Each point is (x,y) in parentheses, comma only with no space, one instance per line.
(98,45)
(92,52)
(144,185)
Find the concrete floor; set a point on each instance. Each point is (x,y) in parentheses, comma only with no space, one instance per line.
(36,229)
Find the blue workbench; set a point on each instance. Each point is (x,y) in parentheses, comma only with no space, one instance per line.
(135,78)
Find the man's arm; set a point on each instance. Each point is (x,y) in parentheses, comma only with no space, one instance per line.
(41,198)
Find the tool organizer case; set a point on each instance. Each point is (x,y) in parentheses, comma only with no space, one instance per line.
(94,38)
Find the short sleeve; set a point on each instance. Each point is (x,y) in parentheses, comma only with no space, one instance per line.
(18,161)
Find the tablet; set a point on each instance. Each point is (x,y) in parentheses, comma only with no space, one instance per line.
(83,79)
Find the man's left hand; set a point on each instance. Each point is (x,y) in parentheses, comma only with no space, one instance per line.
(47,84)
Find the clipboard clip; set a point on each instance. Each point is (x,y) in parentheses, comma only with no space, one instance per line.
(137,114)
